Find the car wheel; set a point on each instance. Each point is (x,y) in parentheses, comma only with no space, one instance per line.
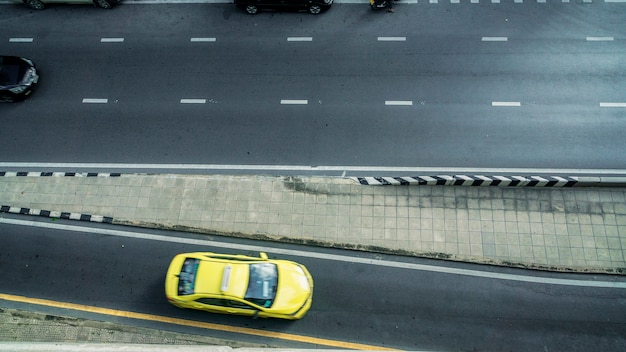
(35,4)
(251,9)
(315,9)
(105,4)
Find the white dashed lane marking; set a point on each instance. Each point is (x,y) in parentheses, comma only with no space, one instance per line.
(600,39)
(21,40)
(203,39)
(399,102)
(294,102)
(193,101)
(111,40)
(95,101)
(613,105)
(391,39)
(495,39)
(506,103)
(300,39)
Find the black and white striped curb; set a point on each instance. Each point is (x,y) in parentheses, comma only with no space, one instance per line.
(56,214)
(58,174)
(474,180)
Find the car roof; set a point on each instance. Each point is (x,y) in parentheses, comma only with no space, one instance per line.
(218,276)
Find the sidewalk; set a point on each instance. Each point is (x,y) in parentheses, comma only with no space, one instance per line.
(582,229)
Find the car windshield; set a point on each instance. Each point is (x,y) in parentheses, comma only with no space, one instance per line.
(262,284)
(187,277)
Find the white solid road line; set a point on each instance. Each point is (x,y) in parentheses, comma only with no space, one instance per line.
(193,101)
(203,39)
(294,102)
(95,101)
(323,256)
(304,168)
(494,39)
(20,40)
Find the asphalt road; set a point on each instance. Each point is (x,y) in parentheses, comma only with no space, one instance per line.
(552,66)
(360,303)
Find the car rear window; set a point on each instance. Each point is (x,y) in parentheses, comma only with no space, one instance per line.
(187,277)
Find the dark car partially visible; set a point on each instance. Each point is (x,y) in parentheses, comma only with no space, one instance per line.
(18,77)
(313,6)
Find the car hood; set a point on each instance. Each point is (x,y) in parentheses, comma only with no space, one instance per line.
(295,287)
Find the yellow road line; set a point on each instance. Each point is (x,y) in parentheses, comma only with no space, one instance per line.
(191,323)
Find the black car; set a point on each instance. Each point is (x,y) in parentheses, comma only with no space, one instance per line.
(18,76)
(313,6)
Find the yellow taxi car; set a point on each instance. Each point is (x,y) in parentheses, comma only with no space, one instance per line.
(239,284)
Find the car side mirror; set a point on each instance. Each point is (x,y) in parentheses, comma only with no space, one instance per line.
(263,255)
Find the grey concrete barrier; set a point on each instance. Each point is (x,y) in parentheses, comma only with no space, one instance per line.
(497,181)
(55,214)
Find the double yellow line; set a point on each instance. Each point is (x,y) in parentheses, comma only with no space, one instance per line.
(191,323)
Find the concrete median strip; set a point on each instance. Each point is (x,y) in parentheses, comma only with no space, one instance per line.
(437,180)
(562,223)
